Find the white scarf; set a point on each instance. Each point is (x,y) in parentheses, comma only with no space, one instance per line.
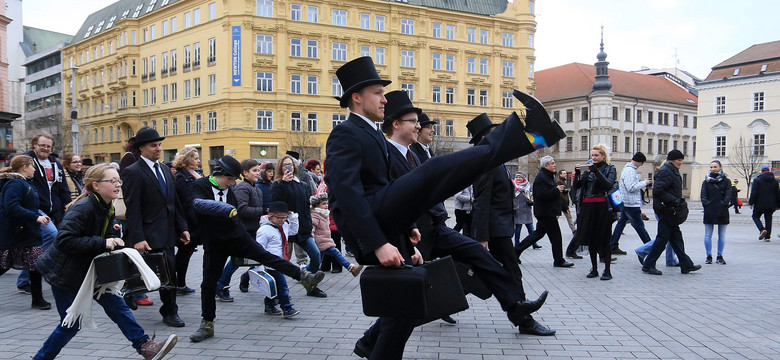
(81,310)
(323,212)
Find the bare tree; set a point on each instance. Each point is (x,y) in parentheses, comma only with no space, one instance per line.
(305,143)
(745,161)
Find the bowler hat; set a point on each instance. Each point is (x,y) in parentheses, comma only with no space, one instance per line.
(277,206)
(86,162)
(425,120)
(479,126)
(398,104)
(228,166)
(356,75)
(146,135)
(294,154)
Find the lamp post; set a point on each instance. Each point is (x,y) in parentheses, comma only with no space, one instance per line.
(74,125)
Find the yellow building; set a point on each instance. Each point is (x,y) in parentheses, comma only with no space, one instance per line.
(257,78)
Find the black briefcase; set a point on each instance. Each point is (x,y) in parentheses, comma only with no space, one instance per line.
(471,283)
(424,292)
(114,267)
(239,262)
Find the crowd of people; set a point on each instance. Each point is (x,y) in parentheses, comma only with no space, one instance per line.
(378,193)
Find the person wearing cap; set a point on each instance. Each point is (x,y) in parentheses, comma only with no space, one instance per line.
(764,200)
(155,217)
(631,186)
(224,235)
(272,235)
(371,211)
(667,196)
(422,146)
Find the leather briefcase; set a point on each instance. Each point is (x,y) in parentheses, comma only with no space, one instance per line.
(159,265)
(424,292)
(114,267)
(472,284)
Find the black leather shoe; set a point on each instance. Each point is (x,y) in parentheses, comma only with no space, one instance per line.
(243,285)
(363,349)
(517,315)
(692,268)
(652,271)
(573,256)
(130,303)
(593,273)
(618,251)
(449,320)
(612,259)
(173,320)
(536,328)
(564,264)
(518,252)
(536,247)
(317,292)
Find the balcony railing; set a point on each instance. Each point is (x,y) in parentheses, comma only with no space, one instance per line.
(173,70)
(212,60)
(186,66)
(152,76)
(196,64)
(144,77)
(164,72)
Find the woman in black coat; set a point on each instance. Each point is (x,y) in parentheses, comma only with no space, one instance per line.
(185,163)
(20,224)
(716,195)
(289,189)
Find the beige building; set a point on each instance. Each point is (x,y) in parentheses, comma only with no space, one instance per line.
(739,113)
(257,78)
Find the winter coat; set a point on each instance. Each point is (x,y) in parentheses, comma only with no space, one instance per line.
(79,240)
(764,193)
(295,195)
(463,199)
(716,198)
(492,212)
(547,197)
(597,182)
(250,205)
(270,239)
(18,212)
(75,183)
(522,207)
(667,188)
(183,182)
(53,201)
(265,189)
(321,230)
(631,186)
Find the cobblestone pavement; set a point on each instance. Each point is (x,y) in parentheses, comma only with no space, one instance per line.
(720,312)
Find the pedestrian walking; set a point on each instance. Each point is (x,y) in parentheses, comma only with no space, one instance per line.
(522,202)
(631,186)
(764,200)
(185,163)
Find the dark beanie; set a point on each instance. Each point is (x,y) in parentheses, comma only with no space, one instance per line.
(639,157)
(675,155)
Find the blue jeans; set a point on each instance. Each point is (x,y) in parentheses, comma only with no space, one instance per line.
(310,247)
(115,308)
(336,256)
(519,227)
(644,250)
(633,214)
(227,274)
(48,235)
(708,238)
(282,291)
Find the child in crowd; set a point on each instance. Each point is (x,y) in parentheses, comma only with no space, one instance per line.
(321,233)
(274,230)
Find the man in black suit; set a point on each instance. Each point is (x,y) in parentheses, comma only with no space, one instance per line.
(155,218)
(422,147)
(373,213)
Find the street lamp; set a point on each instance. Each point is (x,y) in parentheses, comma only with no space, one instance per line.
(74,126)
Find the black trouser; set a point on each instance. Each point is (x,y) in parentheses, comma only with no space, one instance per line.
(767,220)
(463,221)
(546,225)
(36,288)
(672,235)
(215,256)
(327,261)
(183,255)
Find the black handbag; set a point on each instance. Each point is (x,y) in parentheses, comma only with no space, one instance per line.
(425,292)
(676,214)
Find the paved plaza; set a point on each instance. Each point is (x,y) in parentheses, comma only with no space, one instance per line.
(720,312)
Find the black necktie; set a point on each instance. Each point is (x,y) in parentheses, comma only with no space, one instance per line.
(220,193)
(160,179)
(410,158)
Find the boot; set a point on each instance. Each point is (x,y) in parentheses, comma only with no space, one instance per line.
(309,280)
(243,286)
(205,331)
(152,350)
(355,269)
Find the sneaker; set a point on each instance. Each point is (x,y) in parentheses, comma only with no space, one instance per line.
(243,286)
(721,261)
(205,331)
(272,310)
(24,289)
(355,269)
(152,350)
(290,312)
(536,247)
(185,290)
(709,259)
(41,304)
(763,235)
(316,292)
(618,251)
(309,280)
(144,302)
(224,294)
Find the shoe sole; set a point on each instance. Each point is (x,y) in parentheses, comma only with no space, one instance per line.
(291,315)
(167,347)
(272,314)
(223,300)
(38,307)
(763,235)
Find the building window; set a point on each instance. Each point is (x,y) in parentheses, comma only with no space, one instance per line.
(379,22)
(759,141)
(197,123)
(483,98)
(674,121)
(295,47)
(380,56)
(311,122)
(758,101)
(187,89)
(483,66)
(694,122)
(336,87)
(449,127)
(557,115)
(584,113)
(674,144)
(483,36)
(685,121)
(311,85)
(470,97)
(165,94)
(508,39)
(212,117)
(449,95)
(212,84)
(627,145)
(295,83)
(569,143)
(569,115)
(614,113)
(339,52)
(628,115)
(436,98)
(187,124)
(638,144)
(212,51)
(312,14)
(614,143)
(365,51)
(649,146)
(685,181)
(196,87)
(471,35)
(450,32)
(265,8)
(212,11)
(471,65)
(265,44)
(407,58)
(195,17)
(265,81)
(295,12)
(584,142)
(531,70)
(153,97)
(409,88)
(449,64)
(339,17)
(436,61)
(508,68)
(436,33)
(649,117)
(165,127)
(685,148)
(174,91)
(365,21)
(187,21)
(311,48)
(507,100)
(196,55)
(720,105)
(265,120)
(407,26)
(337,120)
(295,121)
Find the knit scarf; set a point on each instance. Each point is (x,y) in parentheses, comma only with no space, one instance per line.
(524,188)
(715,177)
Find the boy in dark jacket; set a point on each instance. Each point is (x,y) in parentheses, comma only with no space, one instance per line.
(764,200)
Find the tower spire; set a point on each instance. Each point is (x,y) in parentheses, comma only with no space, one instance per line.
(602,82)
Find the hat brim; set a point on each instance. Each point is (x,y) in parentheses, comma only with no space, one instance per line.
(139,143)
(348,93)
(477,137)
(426,123)
(401,112)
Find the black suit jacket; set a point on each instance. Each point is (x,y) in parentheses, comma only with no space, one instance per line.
(357,168)
(152,217)
(493,206)
(547,197)
(418,150)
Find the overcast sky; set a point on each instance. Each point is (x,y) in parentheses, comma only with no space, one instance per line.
(697,34)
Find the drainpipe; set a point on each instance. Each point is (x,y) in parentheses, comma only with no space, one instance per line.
(633,134)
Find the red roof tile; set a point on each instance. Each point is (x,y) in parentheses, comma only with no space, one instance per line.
(575,80)
(755,53)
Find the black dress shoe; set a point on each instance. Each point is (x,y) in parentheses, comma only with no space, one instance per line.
(317,292)
(652,271)
(130,302)
(537,247)
(517,315)
(363,349)
(536,328)
(173,320)
(573,256)
(692,268)
(618,251)
(243,285)
(564,264)
(449,320)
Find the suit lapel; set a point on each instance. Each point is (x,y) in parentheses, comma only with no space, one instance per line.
(152,176)
(380,140)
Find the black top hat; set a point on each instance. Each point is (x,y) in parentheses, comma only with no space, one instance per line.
(425,120)
(356,75)
(86,162)
(228,166)
(479,126)
(277,206)
(294,154)
(146,135)
(398,104)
